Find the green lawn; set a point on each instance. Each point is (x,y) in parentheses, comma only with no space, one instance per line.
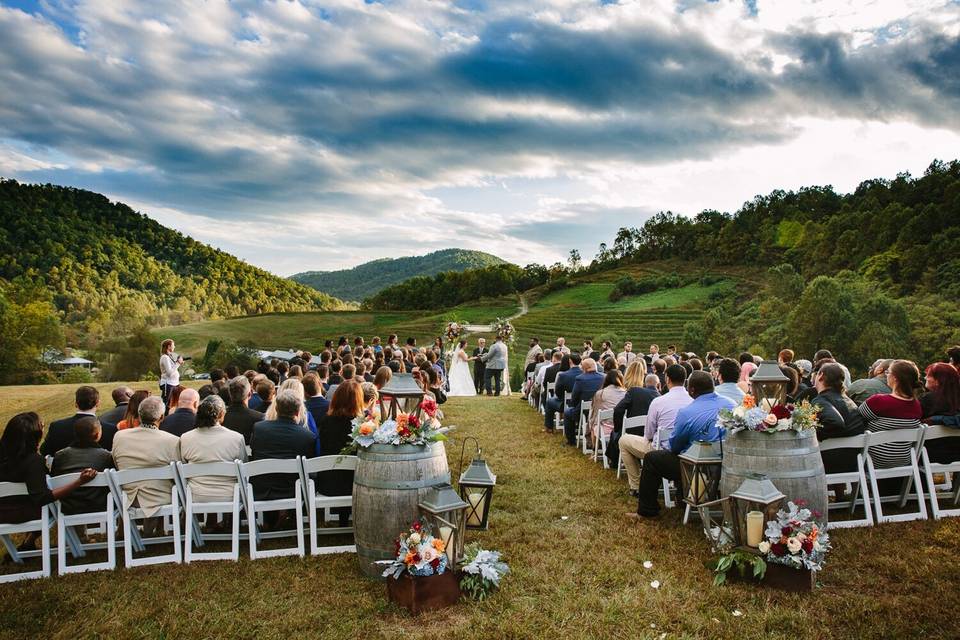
(595,295)
(576,573)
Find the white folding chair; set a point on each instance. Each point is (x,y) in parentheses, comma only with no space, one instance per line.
(529,389)
(910,473)
(130,513)
(936,432)
(582,427)
(254,508)
(107,519)
(192,507)
(41,524)
(600,450)
(557,416)
(658,438)
(629,423)
(856,480)
(317,501)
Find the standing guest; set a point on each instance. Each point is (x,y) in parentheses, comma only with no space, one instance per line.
(210,441)
(747,367)
(121,396)
(375,343)
(239,417)
(562,346)
(898,409)
(21,461)
(874,383)
(608,397)
(696,421)
(132,417)
(584,387)
(282,438)
(169,369)
(805,369)
(533,352)
(61,432)
(185,415)
(785,357)
(941,405)
(142,447)
(335,429)
(83,453)
(627,354)
(728,372)
(661,414)
(479,368)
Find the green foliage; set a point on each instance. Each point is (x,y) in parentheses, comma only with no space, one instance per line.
(138,356)
(630,286)
(28,326)
(221,353)
(370,278)
(742,561)
(77,375)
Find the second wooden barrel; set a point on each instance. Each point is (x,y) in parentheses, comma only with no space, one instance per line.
(387,485)
(790,459)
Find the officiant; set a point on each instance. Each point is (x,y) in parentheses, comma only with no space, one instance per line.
(479,368)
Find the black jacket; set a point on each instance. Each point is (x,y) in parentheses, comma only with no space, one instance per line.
(60,435)
(334,435)
(838,416)
(113,416)
(179,422)
(283,439)
(241,419)
(636,402)
(75,460)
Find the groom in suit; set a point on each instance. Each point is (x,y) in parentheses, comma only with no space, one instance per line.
(478,366)
(496,362)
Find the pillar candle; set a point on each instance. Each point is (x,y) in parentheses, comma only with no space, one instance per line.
(446,534)
(475,500)
(754,528)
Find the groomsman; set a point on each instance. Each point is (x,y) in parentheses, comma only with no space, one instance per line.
(479,368)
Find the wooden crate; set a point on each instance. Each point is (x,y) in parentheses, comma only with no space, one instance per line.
(424,593)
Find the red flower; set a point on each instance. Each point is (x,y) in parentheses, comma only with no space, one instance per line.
(781,412)
(416,526)
(807,545)
(800,502)
(786,531)
(416,558)
(414,421)
(435,563)
(429,406)
(779,549)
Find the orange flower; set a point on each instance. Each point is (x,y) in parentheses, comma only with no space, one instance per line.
(366,428)
(409,558)
(749,402)
(401,421)
(439,545)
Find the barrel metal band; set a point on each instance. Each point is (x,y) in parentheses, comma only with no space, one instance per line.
(783,475)
(402,484)
(765,453)
(393,457)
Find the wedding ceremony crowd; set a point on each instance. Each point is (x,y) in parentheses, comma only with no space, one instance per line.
(306,407)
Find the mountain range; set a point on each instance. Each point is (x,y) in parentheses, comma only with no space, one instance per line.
(369,278)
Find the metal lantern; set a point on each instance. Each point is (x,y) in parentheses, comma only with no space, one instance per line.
(700,473)
(715,516)
(476,487)
(401,386)
(445,512)
(769,385)
(752,505)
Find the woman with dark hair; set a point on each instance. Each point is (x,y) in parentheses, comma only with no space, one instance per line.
(838,417)
(334,430)
(898,409)
(793,387)
(20,461)
(173,397)
(941,405)
(132,418)
(84,452)
(608,397)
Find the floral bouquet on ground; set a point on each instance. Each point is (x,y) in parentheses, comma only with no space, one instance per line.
(781,417)
(503,329)
(453,330)
(418,553)
(406,429)
(794,540)
(482,571)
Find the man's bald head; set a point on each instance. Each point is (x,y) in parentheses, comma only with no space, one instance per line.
(189,399)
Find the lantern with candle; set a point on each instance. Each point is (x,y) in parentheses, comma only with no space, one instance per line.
(769,386)
(476,487)
(754,503)
(445,512)
(700,473)
(401,387)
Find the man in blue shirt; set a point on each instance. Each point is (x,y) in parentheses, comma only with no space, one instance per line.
(564,385)
(696,421)
(585,385)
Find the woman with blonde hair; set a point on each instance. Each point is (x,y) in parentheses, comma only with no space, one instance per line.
(306,418)
(636,373)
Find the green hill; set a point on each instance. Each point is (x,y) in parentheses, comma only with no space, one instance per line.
(365,280)
(104,268)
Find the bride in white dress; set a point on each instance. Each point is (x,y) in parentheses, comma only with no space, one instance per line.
(461,382)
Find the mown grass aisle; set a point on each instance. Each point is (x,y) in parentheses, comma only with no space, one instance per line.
(582,576)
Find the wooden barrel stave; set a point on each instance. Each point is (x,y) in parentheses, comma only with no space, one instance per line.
(388,484)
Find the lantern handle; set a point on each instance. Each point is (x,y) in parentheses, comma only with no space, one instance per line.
(463,448)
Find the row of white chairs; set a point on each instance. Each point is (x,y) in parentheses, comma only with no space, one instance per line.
(186,547)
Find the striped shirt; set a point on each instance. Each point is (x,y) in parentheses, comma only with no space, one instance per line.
(885,412)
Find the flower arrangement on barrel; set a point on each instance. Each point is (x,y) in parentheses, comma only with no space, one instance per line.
(453,330)
(407,428)
(770,419)
(503,329)
(419,553)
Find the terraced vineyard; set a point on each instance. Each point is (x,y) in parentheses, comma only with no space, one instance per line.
(660,326)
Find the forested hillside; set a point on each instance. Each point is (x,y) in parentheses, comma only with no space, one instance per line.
(365,280)
(106,269)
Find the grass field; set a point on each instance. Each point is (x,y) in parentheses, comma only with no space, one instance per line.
(576,572)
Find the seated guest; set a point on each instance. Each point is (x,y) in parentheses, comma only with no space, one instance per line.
(728,372)
(368,369)
(282,438)
(661,414)
(306,419)
(874,383)
(83,453)
(793,386)
(239,416)
(230,371)
(121,396)
(608,397)
(547,374)
(584,386)
(652,382)
(384,374)
(660,368)
(61,433)
(371,398)
(263,397)
(747,367)
(20,461)
(335,378)
(205,391)
(898,409)
(335,429)
(824,354)
(146,446)
(838,418)
(435,385)
(132,417)
(182,419)
(315,403)
(941,405)
(696,421)
(216,375)
(635,402)
(174,396)
(564,386)
(212,442)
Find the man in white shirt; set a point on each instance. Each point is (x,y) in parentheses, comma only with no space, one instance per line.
(562,346)
(660,418)
(627,354)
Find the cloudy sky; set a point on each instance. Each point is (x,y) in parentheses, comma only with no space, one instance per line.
(317,135)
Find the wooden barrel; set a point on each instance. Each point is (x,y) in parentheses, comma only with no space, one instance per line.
(790,459)
(387,485)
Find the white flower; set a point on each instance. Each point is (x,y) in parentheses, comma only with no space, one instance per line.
(655,584)
(414,538)
(429,554)
(740,411)
(764,547)
(647,564)
(793,545)
(737,613)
